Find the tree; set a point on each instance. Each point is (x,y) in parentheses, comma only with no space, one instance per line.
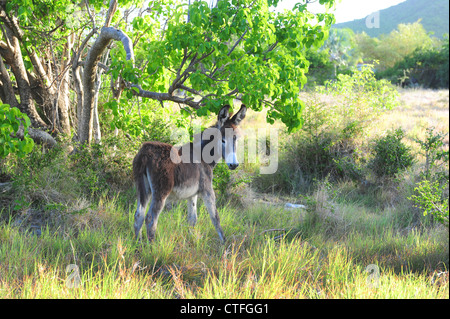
(426,67)
(394,47)
(342,48)
(30,32)
(195,55)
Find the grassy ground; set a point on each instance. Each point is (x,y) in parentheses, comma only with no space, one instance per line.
(351,242)
(256,262)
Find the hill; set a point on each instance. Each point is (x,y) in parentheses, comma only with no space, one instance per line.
(434,17)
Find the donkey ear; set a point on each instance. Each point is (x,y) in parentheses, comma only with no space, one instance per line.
(239,116)
(224,114)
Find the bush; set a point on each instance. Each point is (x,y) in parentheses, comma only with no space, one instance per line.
(59,179)
(432,198)
(431,194)
(391,155)
(330,143)
(428,68)
(10,121)
(436,157)
(148,121)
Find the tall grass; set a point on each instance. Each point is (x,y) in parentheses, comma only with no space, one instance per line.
(186,262)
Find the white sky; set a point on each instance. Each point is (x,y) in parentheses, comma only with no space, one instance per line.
(346,10)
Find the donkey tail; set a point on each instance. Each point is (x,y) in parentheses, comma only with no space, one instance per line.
(140,171)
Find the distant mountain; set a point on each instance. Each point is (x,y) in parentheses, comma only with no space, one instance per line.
(434,15)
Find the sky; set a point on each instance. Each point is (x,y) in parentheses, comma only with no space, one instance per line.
(346,10)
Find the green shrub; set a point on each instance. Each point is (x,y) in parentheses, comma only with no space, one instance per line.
(10,120)
(391,155)
(230,186)
(330,143)
(432,198)
(436,157)
(306,160)
(431,193)
(59,179)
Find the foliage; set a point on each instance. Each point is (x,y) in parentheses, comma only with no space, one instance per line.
(394,47)
(363,94)
(330,141)
(10,121)
(358,98)
(193,54)
(391,155)
(425,67)
(432,198)
(52,177)
(400,43)
(436,157)
(431,194)
(143,119)
(238,49)
(320,67)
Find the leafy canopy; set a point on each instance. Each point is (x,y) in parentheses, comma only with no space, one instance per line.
(238,49)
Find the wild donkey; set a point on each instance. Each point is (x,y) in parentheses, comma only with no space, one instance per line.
(162,170)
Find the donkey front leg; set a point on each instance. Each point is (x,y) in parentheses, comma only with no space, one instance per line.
(210,202)
(151,220)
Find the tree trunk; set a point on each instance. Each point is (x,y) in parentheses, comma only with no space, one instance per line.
(88,80)
(107,34)
(64,101)
(6,89)
(13,56)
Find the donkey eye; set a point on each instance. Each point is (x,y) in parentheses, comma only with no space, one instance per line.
(224,141)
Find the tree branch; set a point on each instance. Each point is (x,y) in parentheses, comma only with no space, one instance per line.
(40,137)
(237,42)
(89,13)
(6,88)
(165,97)
(107,34)
(111,10)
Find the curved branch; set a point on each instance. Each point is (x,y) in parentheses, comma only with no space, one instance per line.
(107,34)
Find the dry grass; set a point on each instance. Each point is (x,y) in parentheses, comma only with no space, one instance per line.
(418,110)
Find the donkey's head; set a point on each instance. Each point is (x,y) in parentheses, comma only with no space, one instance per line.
(229,132)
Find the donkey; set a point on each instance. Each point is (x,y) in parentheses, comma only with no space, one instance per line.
(165,171)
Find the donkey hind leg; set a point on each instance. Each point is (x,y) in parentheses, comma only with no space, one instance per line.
(192,210)
(151,220)
(143,195)
(210,202)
